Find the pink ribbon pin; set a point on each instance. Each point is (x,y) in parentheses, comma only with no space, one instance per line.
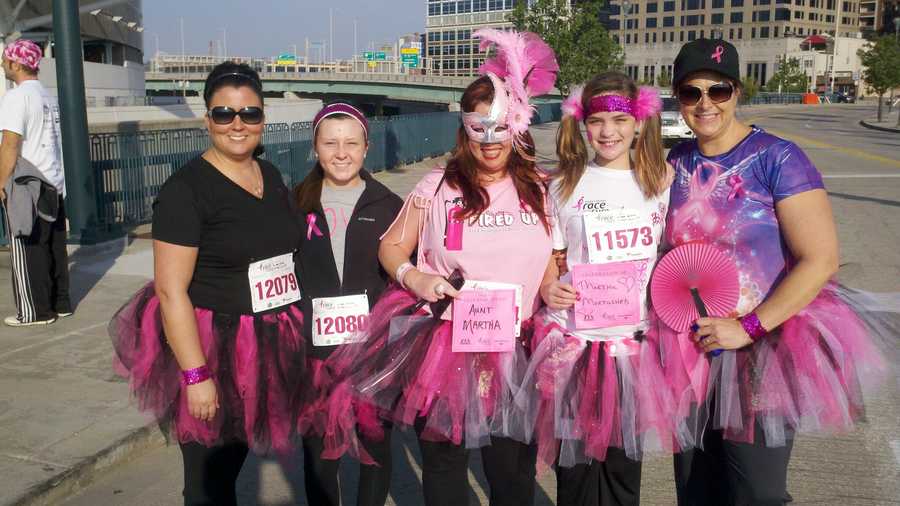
(311,226)
(720,51)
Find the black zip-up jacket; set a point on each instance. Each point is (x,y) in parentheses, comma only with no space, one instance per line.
(373,214)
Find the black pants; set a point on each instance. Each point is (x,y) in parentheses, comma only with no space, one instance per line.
(733,474)
(508,466)
(321,475)
(210,473)
(615,481)
(40,269)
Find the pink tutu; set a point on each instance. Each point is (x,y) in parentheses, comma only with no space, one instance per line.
(256,362)
(406,369)
(583,397)
(806,376)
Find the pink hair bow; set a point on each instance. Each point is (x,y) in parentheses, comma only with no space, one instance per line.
(571,106)
(311,226)
(647,103)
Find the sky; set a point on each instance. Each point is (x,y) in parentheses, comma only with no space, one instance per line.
(270,27)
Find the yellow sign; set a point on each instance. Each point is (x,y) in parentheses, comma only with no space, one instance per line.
(409,50)
(372,64)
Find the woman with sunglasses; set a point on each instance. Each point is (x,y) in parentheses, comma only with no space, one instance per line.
(345,212)
(796,349)
(213,347)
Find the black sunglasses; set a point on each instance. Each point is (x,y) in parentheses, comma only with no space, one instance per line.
(717,93)
(222,115)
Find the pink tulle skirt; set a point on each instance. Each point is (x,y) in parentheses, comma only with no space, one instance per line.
(406,370)
(806,376)
(583,397)
(257,363)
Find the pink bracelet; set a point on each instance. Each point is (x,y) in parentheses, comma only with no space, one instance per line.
(752,326)
(195,375)
(402,271)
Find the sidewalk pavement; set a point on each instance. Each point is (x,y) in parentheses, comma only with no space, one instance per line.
(888,123)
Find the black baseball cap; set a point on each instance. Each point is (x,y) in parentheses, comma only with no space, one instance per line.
(715,55)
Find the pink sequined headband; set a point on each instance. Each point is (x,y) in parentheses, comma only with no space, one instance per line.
(25,53)
(645,105)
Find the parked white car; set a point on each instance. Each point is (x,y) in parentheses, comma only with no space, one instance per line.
(673,126)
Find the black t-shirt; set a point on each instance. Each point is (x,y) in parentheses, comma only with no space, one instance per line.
(198,206)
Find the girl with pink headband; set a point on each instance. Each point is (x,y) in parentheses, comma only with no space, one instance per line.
(594,390)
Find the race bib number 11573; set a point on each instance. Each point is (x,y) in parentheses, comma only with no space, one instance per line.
(618,236)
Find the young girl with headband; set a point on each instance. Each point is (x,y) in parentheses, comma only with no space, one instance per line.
(594,384)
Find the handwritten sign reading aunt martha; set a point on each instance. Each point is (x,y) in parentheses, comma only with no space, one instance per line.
(484,321)
(609,295)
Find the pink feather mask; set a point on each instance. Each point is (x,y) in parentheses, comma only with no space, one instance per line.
(524,67)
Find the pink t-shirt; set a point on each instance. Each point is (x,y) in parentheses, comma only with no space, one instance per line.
(506,243)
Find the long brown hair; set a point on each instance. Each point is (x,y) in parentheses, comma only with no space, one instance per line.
(308,194)
(462,168)
(649,164)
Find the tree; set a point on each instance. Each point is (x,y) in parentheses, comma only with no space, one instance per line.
(789,78)
(751,88)
(881,66)
(582,44)
(665,79)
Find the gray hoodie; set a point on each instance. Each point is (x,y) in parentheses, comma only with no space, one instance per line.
(29,196)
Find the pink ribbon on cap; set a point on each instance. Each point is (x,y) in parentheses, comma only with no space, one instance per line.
(311,226)
(720,51)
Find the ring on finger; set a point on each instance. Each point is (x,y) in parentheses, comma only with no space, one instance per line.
(439,289)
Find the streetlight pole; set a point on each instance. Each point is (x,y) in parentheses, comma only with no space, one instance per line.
(331,34)
(225,43)
(183,60)
(81,199)
(626,8)
(837,25)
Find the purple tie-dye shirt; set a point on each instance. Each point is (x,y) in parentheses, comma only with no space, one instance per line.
(729,200)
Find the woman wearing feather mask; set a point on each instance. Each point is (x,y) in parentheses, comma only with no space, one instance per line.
(450,371)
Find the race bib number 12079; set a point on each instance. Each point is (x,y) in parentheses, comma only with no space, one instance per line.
(273,283)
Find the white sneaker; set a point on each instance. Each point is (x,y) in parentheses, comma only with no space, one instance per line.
(63,315)
(14,321)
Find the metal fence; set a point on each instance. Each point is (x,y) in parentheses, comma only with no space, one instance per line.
(130,167)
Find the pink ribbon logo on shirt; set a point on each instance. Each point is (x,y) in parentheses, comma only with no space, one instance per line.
(311,226)
(720,51)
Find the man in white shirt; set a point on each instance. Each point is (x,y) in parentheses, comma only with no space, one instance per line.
(29,125)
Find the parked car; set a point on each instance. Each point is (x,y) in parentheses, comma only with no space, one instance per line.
(674,127)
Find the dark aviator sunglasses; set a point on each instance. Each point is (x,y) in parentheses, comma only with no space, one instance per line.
(717,93)
(222,115)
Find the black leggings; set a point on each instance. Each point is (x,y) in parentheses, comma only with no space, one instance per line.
(210,473)
(615,481)
(508,466)
(321,475)
(733,474)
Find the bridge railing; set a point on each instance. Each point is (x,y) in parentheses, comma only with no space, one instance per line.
(130,167)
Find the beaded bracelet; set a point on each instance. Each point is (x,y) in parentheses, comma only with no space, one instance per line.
(752,326)
(195,375)
(404,268)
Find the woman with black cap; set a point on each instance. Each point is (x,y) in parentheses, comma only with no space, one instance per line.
(798,347)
